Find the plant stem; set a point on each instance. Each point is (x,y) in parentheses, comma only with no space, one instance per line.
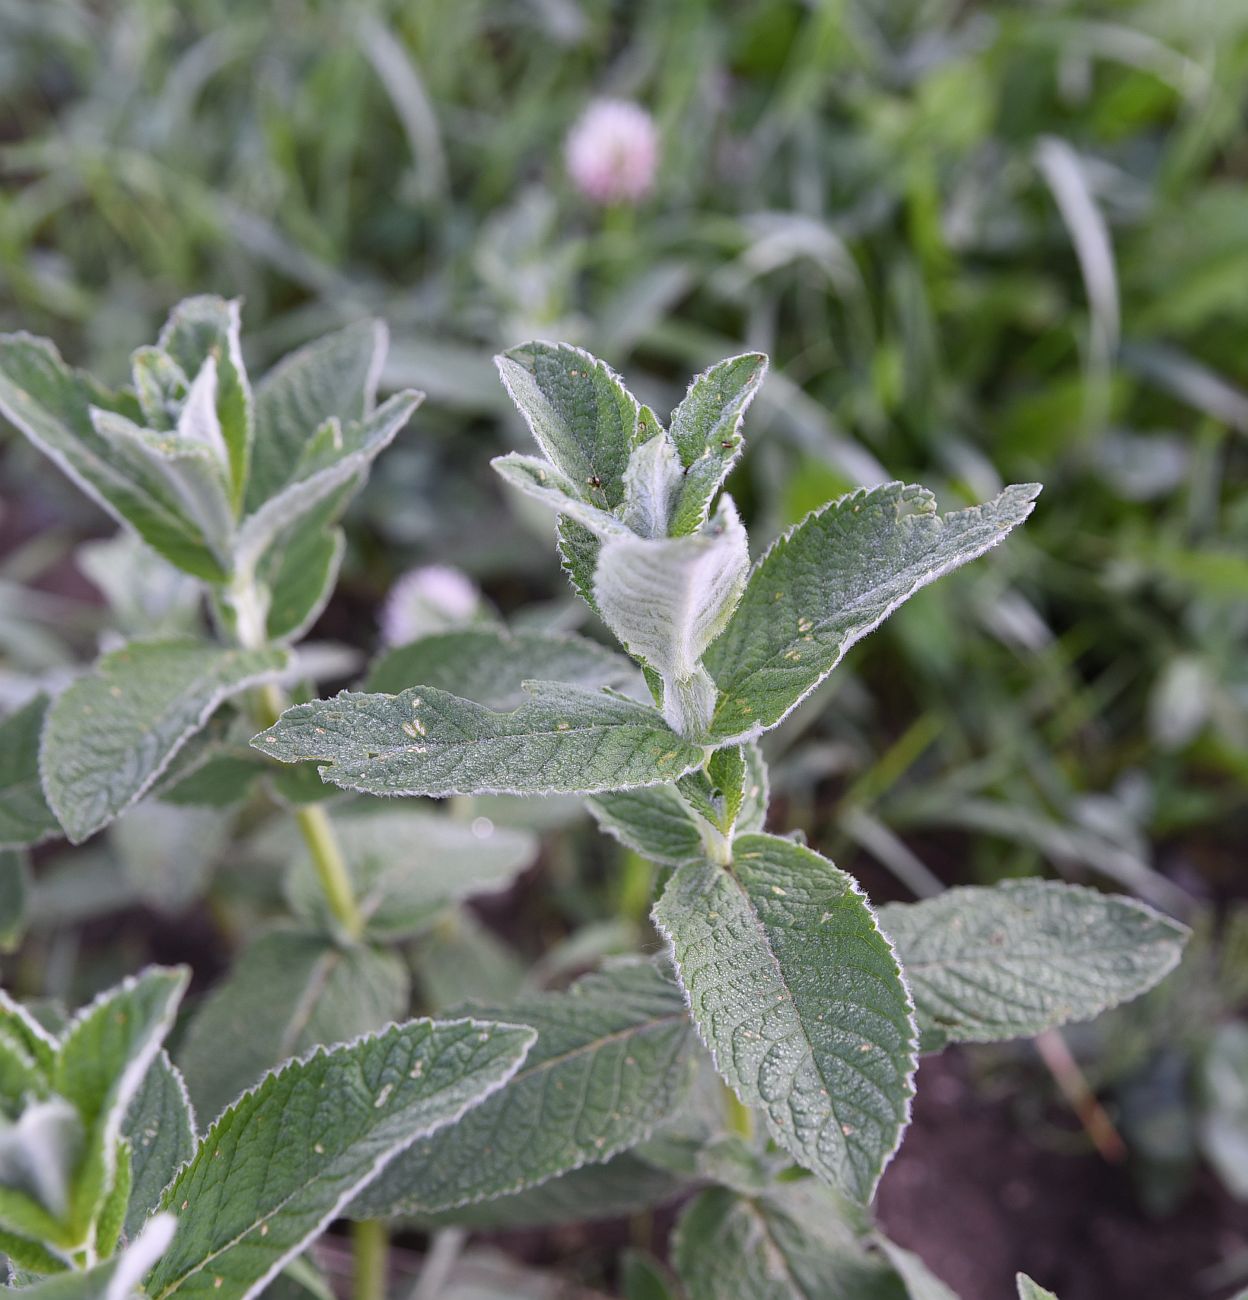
(740,1116)
(371,1247)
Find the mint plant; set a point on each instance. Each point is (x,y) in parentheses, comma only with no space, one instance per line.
(781,995)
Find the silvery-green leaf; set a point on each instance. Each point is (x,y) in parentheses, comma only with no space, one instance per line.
(611,1061)
(653,822)
(51,404)
(706,431)
(788,1244)
(117,1278)
(331,377)
(716,791)
(489,665)
(830,581)
(408,863)
(652,482)
(360,444)
(206,330)
(300,572)
(1029,1290)
(167,851)
(40,1152)
(25,817)
(562,739)
(161,385)
(19,1024)
(103,1056)
(461,960)
(1222,1092)
(198,422)
(540,480)
(1018,958)
(146,594)
(114,731)
(160,1128)
(193,480)
(800,999)
(288,991)
(579,412)
(578,556)
(280,1164)
(920,1282)
(14,897)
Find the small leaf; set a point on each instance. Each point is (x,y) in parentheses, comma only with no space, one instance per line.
(831,580)
(160,1128)
(1029,1290)
(920,1282)
(611,1061)
(25,817)
(652,482)
(426,742)
(300,572)
(103,1057)
(290,990)
(790,1244)
(578,556)
(579,412)
(642,1277)
(490,665)
(14,897)
(986,964)
(279,1165)
(706,431)
(540,480)
(113,732)
(800,999)
(332,377)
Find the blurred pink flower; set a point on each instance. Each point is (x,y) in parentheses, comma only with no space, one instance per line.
(436,598)
(613,152)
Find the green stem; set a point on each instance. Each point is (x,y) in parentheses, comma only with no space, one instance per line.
(740,1116)
(371,1246)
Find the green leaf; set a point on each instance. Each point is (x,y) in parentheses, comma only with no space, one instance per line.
(334,377)
(160,1128)
(279,1165)
(300,573)
(25,817)
(790,1244)
(986,964)
(115,1279)
(460,959)
(103,1057)
(14,897)
(490,665)
(831,580)
(706,431)
(579,412)
(289,991)
(17,1023)
(920,1282)
(40,1157)
(540,480)
(1029,1290)
(51,404)
(611,1061)
(578,556)
(167,851)
(204,331)
(408,863)
(114,731)
(800,999)
(563,739)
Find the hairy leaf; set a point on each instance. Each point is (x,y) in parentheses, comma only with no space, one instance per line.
(113,732)
(578,411)
(282,1162)
(490,665)
(1029,1290)
(612,1060)
(25,817)
(117,1278)
(540,480)
(563,739)
(1012,960)
(160,1128)
(799,997)
(833,579)
(289,991)
(653,822)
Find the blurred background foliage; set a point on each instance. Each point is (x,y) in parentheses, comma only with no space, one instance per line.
(981,242)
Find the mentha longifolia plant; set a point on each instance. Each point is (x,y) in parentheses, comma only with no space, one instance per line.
(329,1102)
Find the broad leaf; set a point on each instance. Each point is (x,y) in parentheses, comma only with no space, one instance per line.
(334,377)
(579,412)
(14,897)
(279,1165)
(611,1061)
(799,998)
(160,1128)
(113,732)
(562,739)
(668,599)
(25,817)
(706,431)
(830,581)
(289,991)
(408,863)
(789,1244)
(490,665)
(100,1065)
(1010,961)
(51,404)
